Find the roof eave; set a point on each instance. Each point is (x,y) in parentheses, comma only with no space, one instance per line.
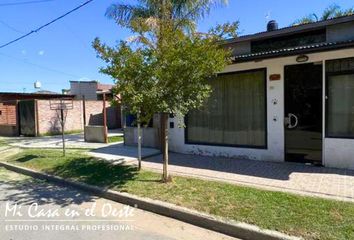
(293,53)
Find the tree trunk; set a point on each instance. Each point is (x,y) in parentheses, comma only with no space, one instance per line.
(139,141)
(164,146)
(62,129)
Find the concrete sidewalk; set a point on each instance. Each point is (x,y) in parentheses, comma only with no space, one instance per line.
(119,153)
(71,141)
(286,177)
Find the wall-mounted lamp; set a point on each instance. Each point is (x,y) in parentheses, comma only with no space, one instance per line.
(302,58)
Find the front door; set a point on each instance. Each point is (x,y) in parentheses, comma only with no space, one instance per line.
(27,117)
(303,113)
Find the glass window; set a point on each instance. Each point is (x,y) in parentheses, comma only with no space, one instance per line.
(340,106)
(235,113)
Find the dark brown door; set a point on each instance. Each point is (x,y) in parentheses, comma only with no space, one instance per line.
(27,117)
(303,113)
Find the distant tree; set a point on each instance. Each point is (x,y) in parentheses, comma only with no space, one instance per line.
(332,11)
(165,67)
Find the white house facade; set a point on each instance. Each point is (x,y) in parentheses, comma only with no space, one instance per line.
(288,96)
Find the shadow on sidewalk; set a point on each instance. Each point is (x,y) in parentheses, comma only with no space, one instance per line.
(262,169)
(29,191)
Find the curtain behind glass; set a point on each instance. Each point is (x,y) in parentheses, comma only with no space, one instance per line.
(235,113)
(340,122)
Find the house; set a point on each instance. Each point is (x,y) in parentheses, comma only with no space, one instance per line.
(288,96)
(11,104)
(90,90)
(32,114)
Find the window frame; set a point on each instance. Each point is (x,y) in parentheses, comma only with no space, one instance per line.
(265,146)
(328,75)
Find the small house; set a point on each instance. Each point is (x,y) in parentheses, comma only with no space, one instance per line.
(288,96)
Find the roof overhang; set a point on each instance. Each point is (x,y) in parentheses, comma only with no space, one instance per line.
(35,95)
(321,47)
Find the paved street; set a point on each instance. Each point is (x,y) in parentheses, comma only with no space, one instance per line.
(53,219)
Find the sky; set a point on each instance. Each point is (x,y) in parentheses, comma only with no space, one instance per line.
(62,52)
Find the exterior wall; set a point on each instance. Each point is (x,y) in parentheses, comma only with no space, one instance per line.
(48,121)
(94,114)
(241,48)
(8,113)
(150,135)
(8,118)
(339,153)
(8,130)
(335,33)
(87,89)
(275,122)
(95,134)
(340,32)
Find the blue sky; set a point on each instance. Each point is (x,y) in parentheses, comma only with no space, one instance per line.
(63,52)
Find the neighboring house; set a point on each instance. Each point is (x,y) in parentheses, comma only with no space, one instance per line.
(10,108)
(287,96)
(30,114)
(91,90)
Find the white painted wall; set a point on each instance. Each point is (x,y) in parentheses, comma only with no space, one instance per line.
(339,153)
(275,90)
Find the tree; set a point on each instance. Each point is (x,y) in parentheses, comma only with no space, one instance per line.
(332,11)
(166,66)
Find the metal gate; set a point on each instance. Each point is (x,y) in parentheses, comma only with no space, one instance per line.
(27,117)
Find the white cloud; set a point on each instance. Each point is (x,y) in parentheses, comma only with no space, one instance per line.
(24,52)
(268,16)
(41,53)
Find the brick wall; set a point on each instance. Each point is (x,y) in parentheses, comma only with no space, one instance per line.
(48,121)
(8,119)
(8,113)
(94,114)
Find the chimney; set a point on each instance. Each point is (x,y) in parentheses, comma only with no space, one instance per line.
(272,26)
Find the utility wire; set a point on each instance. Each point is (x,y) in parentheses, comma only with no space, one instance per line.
(39,66)
(45,25)
(23,3)
(10,27)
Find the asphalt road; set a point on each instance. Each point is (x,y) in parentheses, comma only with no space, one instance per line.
(36,210)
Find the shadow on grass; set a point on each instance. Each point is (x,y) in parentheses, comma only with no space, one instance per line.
(96,172)
(26,158)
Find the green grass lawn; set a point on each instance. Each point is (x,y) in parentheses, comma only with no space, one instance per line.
(311,218)
(114,139)
(2,143)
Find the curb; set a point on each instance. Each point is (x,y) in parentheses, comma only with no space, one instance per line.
(231,228)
